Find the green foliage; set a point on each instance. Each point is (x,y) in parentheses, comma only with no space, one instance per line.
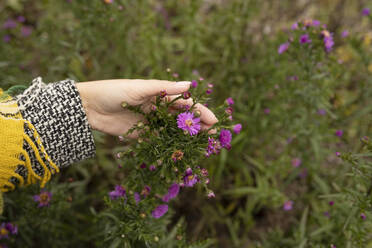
(233,44)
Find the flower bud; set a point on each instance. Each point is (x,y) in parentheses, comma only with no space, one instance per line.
(168,70)
(140,140)
(124,104)
(156,239)
(197,113)
(186,95)
(143,215)
(163,93)
(140,124)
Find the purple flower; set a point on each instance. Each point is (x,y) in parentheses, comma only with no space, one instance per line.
(43,198)
(366,12)
(283,47)
(322,112)
(209,91)
(296,162)
(187,122)
(117,193)
(237,128)
(173,191)
(230,101)
(225,138)
(345,34)
(204,172)
(339,133)
(6,38)
(137,197)
(159,211)
(9,24)
(315,23)
(229,110)
(152,168)
(211,194)
(328,43)
(21,19)
(304,39)
(194,84)
(189,179)
(143,166)
(363,216)
(338,154)
(186,95)
(331,203)
(288,205)
(267,111)
(26,31)
(6,229)
(214,147)
(294,26)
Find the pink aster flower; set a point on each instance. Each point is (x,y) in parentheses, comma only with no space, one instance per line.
(345,34)
(305,39)
(322,112)
(225,138)
(211,194)
(267,111)
(288,205)
(43,198)
(7,38)
(194,84)
(294,26)
(9,24)
(230,101)
(339,133)
(137,197)
(187,122)
(214,147)
(237,128)
(296,162)
(152,168)
(283,47)
(189,179)
(159,211)
(6,229)
(117,193)
(366,12)
(173,191)
(363,216)
(21,19)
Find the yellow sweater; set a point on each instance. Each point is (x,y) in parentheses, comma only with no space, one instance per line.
(12,138)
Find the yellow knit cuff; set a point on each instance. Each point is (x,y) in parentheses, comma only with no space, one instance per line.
(12,138)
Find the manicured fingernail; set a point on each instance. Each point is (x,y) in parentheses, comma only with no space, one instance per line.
(183,83)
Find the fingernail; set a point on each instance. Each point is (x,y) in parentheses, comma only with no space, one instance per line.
(183,83)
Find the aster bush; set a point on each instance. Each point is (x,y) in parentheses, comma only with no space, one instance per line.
(295,74)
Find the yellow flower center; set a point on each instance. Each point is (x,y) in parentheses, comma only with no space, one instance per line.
(188,122)
(44,198)
(3,231)
(190,177)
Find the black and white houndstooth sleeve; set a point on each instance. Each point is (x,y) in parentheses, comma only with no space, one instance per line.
(57,113)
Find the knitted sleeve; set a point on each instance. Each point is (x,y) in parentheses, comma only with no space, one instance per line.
(57,126)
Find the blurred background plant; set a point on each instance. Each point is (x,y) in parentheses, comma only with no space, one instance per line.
(298,175)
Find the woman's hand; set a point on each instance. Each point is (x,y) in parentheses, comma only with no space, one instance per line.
(102,102)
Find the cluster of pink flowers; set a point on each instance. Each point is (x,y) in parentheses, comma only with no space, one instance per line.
(10,24)
(305,37)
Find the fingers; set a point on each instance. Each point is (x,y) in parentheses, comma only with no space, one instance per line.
(207,117)
(153,87)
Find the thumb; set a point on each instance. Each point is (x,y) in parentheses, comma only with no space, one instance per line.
(154,87)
